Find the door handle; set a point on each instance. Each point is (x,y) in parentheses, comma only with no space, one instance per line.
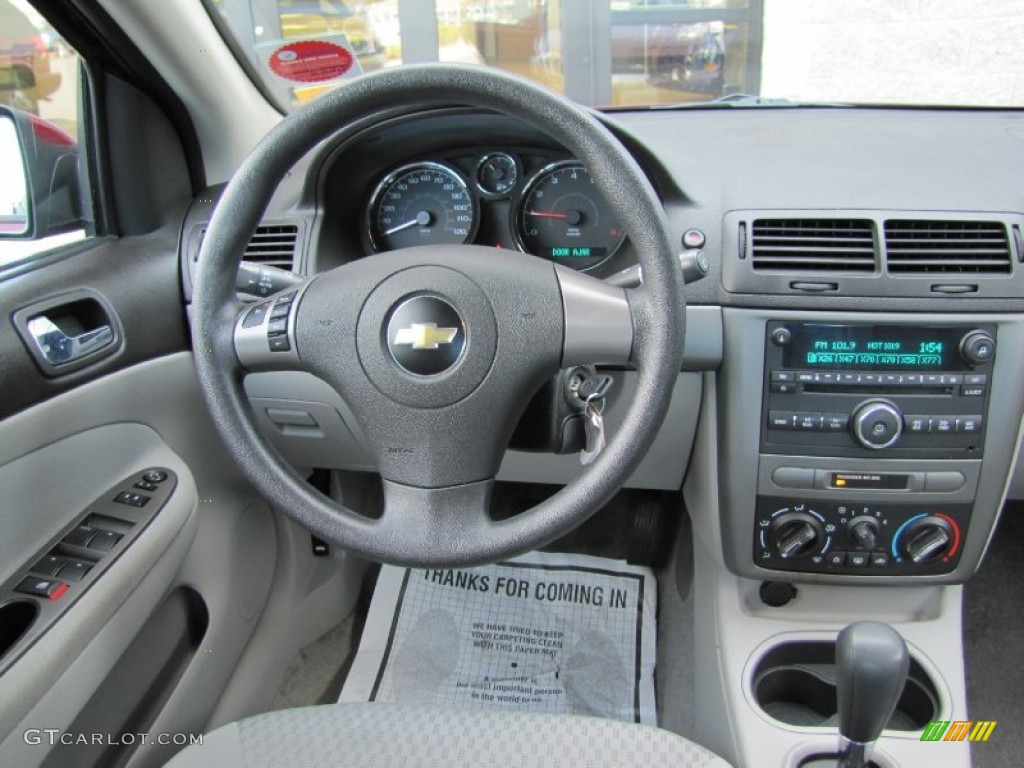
(69,331)
(58,347)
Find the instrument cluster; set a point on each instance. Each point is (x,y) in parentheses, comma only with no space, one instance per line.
(545,206)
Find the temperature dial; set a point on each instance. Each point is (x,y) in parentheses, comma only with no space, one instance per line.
(797,534)
(926,539)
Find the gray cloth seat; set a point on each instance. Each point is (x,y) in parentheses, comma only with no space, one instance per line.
(392,735)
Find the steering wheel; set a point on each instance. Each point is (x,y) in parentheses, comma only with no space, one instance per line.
(438,349)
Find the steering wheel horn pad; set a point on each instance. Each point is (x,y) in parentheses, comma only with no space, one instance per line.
(437,417)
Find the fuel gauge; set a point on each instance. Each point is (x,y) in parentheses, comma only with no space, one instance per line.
(497,173)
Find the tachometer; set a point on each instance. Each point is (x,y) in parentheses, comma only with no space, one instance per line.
(562,217)
(421,204)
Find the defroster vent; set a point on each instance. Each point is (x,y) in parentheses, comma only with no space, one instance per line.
(813,245)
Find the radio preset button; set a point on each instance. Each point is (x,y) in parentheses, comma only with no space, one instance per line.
(916,424)
(912,380)
(827,378)
(835,422)
(891,379)
(968,425)
(869,379)
(847,378)
(808,422)
(932,379)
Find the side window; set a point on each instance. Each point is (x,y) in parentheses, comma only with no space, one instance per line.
(43,185)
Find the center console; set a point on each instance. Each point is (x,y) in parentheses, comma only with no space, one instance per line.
(873,393)
(883,448)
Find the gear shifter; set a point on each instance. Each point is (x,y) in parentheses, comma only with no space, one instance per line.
(871,668)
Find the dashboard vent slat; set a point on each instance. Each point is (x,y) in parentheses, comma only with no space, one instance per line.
(954,247)
(271,244)
(813,245)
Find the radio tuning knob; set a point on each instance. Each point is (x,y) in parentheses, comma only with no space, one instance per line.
(877,424)
(977,347)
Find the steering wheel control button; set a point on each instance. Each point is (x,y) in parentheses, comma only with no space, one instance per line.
(154,476)
(693,238)
(877,424)
(279,344)
(256,315)
(132,499)
(426,336)
(51,589)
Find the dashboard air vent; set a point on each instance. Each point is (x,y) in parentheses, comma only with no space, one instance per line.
(813,245)
(935,246)
(272,244)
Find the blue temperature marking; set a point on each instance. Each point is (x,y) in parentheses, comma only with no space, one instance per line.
(896,536)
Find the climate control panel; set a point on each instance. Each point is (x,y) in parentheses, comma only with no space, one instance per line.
(853,538)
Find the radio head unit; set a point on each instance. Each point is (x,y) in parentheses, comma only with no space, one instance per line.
(876,390)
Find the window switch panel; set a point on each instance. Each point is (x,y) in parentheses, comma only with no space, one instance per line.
(104,541)
(74,571)
(49,565)
(48,588)
(80,536)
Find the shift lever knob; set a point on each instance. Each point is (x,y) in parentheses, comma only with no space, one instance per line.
(871,667)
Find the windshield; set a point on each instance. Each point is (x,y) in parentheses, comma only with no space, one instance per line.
(630,53)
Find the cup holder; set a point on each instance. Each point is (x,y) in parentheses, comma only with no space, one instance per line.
(16,617)
(795,683)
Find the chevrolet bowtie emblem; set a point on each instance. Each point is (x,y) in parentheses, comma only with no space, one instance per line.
(425,336)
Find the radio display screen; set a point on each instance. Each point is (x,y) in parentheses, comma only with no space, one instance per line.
(873,348)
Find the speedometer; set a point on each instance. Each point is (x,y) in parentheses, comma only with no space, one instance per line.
(421,204)
(562,217)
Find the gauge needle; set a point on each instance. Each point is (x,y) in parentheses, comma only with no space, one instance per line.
(422,220)
(571,217)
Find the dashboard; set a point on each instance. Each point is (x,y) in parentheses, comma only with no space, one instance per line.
(883,245)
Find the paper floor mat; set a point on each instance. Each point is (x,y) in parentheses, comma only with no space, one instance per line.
(542,633)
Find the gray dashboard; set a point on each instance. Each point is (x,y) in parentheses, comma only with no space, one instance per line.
(721,171)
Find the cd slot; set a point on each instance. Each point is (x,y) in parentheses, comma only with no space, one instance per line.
(839,389)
